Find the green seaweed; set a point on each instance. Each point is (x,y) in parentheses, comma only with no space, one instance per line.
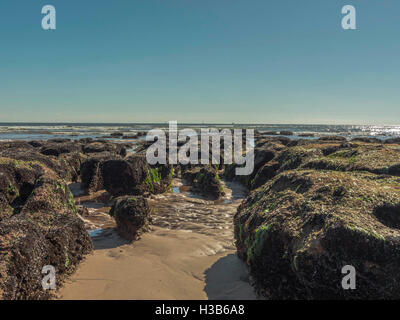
(11,189)
(260,236)
(67,262)
(153,177)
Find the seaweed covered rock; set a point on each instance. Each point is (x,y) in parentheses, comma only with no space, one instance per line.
(62,156)
(99,147)
(333,138)
(38,225)
(286,133)
(49,199)
(6,211)
(90,173)
(71,162)
(17,179)
(30,158)
(15,145)
(301,228)
(370,157)
(122,177)
(26,248)
(205,180)
(264,174)
(55,149)
(130,176)
(132,215)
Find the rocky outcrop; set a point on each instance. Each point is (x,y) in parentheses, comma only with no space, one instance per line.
(374,158)
(132,215)
(17,180)
(205,181)
(55,149)
(90,172)
(301,228)
(265,173)
(99,147)
(130,176)
(27,247)
(286,133)
(42,230)
(317,206)
(333,138)
(38,221)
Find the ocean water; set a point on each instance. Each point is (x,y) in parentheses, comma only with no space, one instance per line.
(45,131)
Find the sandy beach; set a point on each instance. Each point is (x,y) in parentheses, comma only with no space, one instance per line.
(164,264)
(189,254)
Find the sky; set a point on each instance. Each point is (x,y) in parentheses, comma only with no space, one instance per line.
(216,61)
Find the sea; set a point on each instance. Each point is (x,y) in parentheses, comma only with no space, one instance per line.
(75,131)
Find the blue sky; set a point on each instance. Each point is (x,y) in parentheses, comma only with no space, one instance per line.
(247,61)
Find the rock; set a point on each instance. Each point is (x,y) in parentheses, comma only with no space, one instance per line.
(121,177)
(130,176)
(282,140)
(59,140)
(100,147)
(27,248)
(55,149)
(90,171)
(91,176)
(32,158)
(86,140)
(190,174)
(131,136)
(286,133)
(17,179)
(309,135)
(393,141)
(262,156)
(6,211)
(366,140)
(204,180)
(94,147)
(334,155)
(40,228)
(49,199)
(333,138)
(264,174)
(299,231)
(15,145)
(38,219)
(36,144)
(71,162)
(132,215)
(134,176)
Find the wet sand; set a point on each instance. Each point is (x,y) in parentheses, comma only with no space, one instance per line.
(189,254)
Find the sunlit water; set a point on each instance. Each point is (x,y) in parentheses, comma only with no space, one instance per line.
(32,131)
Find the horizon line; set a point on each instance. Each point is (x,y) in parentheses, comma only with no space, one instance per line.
(189,123)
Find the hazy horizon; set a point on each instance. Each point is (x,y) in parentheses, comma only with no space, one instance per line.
(247,62)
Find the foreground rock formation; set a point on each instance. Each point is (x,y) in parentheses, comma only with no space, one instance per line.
(321,205)
(39,225)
